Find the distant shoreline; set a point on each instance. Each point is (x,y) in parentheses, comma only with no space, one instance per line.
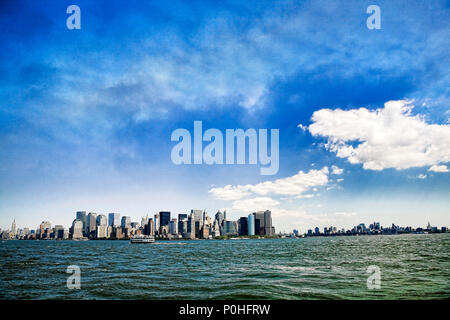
(240,237)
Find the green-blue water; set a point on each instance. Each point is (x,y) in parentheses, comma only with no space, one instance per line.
(412,267)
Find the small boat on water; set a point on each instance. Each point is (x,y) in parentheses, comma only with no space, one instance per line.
(140,238)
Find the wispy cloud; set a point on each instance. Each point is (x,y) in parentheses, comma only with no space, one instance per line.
(295,185)
(437,168)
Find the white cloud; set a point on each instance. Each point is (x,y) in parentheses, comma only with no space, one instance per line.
(421,176)
(229,192)
(336,170)
(389,137)
(437,168)
(291,186)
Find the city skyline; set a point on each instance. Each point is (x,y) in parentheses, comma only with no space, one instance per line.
(116,220)
(363,114)
(195,225)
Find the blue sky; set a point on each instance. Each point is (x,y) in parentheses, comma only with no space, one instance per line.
(86,115)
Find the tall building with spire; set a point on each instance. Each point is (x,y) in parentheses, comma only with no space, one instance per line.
(13,227)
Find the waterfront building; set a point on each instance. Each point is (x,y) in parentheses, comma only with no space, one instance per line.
(197,214)
(150,227)
(26,231)
(114,219)
(81,215)
(197,217)
(190,234)
(134,225)
(102,220)
(165,218)
(45,230)
(126,222)
(259,222)
(157,223)
(101,231)
(59,231)
(91,224)
(243,226)
(13,228)
(206,218)
(173,226)
(164,230)
(268,223)
(109,232)
(5,234)
(229,228)
(216,228)
(316,230)
(251,225)
(182,223)
(219,217)
(144,221)
(117,233)
(77,229)
(205,231)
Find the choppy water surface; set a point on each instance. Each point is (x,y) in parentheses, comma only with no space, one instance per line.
(412,267)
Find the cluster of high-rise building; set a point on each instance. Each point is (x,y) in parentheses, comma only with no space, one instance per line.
(373,229)
(195,225)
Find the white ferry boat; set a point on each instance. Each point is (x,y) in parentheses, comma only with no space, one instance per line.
(140,238)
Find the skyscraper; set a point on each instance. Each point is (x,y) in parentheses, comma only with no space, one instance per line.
(114,220)
(150,227)
(229,228)
(102,227)
(102,220)
(251,225)
(45,229)
(165,218)
(216,228)
(190,234)
(219,217)
(268,223)
(197,214)
(197,217)
(259,222)
(182,225)
(173,226)
(59,231)
(13,227)
(76,231)
(91,223)
(243,226)
(81,215)
(126,222)
(157,223)
(144,221)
